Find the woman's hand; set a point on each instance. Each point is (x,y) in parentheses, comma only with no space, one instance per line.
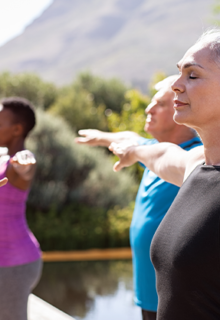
(3,182)
(21,169)
(24,164)
(126,153)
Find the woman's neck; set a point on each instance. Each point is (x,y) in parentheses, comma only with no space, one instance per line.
(15,147)
(211,142)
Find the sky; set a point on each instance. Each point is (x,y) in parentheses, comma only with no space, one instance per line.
(15,15)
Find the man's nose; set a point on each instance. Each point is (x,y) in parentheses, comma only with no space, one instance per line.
(150,107)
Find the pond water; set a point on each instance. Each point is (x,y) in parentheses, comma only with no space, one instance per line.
(90,290)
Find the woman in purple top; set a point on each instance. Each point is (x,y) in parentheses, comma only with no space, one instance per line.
(20,256)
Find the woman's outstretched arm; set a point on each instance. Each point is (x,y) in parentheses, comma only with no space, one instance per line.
(167,160)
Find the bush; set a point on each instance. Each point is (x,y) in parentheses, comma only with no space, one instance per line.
(81,227)
(68,173)
(28,86)
(88,101)
(132,116)
(77,108)
(119,224)
(75,191)
(107,92)
(76,227)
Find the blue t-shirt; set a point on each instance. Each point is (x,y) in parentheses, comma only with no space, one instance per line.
(153,200)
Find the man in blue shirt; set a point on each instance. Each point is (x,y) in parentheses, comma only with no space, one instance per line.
(154,195)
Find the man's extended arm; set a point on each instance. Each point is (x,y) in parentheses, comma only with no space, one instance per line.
(93,137)
(167,160)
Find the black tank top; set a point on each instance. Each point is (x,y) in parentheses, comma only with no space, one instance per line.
(185,250)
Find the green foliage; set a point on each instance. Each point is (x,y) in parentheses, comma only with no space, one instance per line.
(157,77)
(76,227)
(79,227)
(109,93)
(88,101)
(28,86)
(69,173)
(119,225)
(75,193)
(216,8)
(79,111)
(77,201)
(216,12)
(132,116)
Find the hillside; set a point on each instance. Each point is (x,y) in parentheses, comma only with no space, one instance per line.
(129,39)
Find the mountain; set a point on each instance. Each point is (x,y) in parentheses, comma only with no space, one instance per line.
(129,39)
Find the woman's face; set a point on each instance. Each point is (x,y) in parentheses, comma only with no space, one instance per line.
(197,90)
(8,128)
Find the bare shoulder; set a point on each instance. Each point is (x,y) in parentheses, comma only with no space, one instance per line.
(194,158)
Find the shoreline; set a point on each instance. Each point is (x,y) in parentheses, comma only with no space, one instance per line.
(87,255)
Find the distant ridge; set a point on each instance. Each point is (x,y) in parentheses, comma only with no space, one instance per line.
(129,39)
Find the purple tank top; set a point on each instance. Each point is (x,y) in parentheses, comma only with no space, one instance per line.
(17,244)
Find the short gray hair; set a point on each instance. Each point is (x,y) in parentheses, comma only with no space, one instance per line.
(166,83)
(211,38)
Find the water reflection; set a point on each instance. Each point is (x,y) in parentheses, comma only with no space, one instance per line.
(90,290)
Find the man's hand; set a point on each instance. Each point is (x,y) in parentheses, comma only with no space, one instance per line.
(91,137)
(126,153)
(24,164)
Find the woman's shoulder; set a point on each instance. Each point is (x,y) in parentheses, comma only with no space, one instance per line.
(195,157)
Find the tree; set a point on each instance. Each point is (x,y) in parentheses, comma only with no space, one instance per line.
(29,86)
(107,92)
(77,108)
(75,193)
(132,116)
(216,12)
(68,173)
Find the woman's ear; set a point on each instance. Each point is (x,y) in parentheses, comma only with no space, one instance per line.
(18,129)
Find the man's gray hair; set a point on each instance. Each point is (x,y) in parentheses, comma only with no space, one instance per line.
(166,83)
(211,38)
